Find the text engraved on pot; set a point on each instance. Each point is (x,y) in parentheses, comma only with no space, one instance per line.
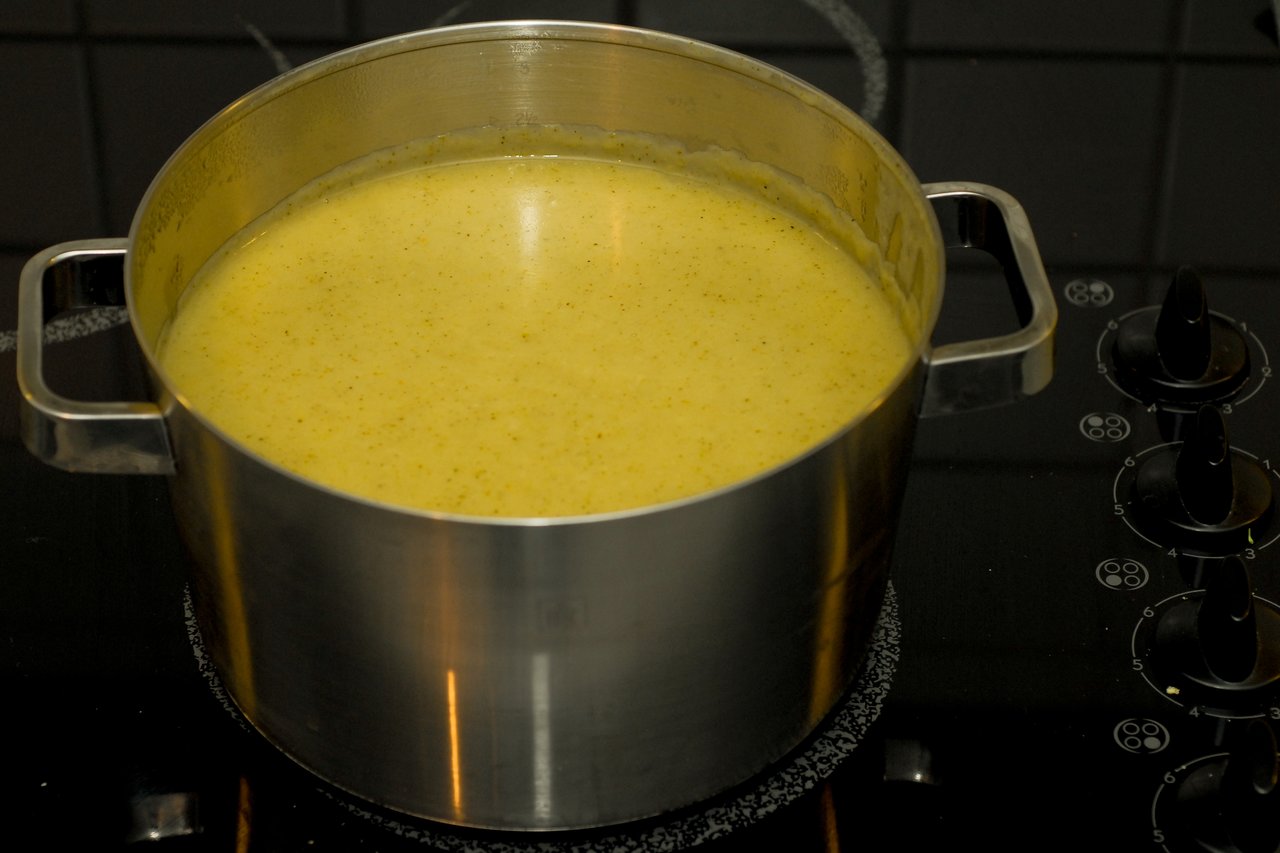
(836,179)
(561,615)
(687,103)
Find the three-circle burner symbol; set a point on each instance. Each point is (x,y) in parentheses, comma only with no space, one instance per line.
(1122,574)
(1104,427)
(1088,293)
(1141,737)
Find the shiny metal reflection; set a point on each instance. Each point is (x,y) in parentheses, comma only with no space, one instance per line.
(155,817)
(540,682)
(909,761)
(455,760)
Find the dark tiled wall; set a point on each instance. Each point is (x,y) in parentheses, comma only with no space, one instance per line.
(97,93)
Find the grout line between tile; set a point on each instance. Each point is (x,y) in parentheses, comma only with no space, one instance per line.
(90,114)
(1165,157)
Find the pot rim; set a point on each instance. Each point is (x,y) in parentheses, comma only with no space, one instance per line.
(536,29)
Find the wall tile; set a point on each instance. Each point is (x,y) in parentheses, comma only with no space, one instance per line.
(276,18)
(11,264)
(763,22)
(1226,159)
(37,16)
(50,189)
(1231,28)
(841,76)
(1093,159)
(390,17)
(1143,26)
(151,97)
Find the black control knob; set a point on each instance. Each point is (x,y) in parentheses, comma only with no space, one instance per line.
(1181,353)
(1200,494)
(1222,643)
(1232,804)
(1228,625)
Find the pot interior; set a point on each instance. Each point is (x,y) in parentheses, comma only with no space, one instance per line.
(318,117)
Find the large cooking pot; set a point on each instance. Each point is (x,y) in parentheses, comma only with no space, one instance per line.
(532,672)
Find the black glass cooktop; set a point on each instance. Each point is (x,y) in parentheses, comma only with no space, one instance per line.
(1042,678)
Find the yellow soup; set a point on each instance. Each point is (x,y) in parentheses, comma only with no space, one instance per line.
(532,335)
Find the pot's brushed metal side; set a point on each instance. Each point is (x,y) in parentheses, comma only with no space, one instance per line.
(542,675)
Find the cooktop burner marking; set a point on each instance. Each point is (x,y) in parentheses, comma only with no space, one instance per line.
(809,766)
(204,664)
(72,326)
(1141,736)
(1105,427)
(1088,292)
(1122,573)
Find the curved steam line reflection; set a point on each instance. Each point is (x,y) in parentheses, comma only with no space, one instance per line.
(854,30)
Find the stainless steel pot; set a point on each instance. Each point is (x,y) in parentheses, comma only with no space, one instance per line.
(532,673)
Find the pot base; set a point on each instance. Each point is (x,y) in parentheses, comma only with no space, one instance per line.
(832,743)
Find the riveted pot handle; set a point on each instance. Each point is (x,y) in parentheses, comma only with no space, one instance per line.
(108,438)
(992,371)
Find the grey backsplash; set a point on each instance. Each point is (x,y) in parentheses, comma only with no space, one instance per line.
(97,93)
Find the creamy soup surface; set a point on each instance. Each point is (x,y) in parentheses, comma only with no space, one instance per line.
(531,335)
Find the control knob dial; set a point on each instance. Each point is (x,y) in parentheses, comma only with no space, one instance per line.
(1180,353)
(1224,643)
(1231,803)
(1200,494)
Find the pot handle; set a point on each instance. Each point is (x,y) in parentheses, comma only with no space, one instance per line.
(992,371)
(106,438)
